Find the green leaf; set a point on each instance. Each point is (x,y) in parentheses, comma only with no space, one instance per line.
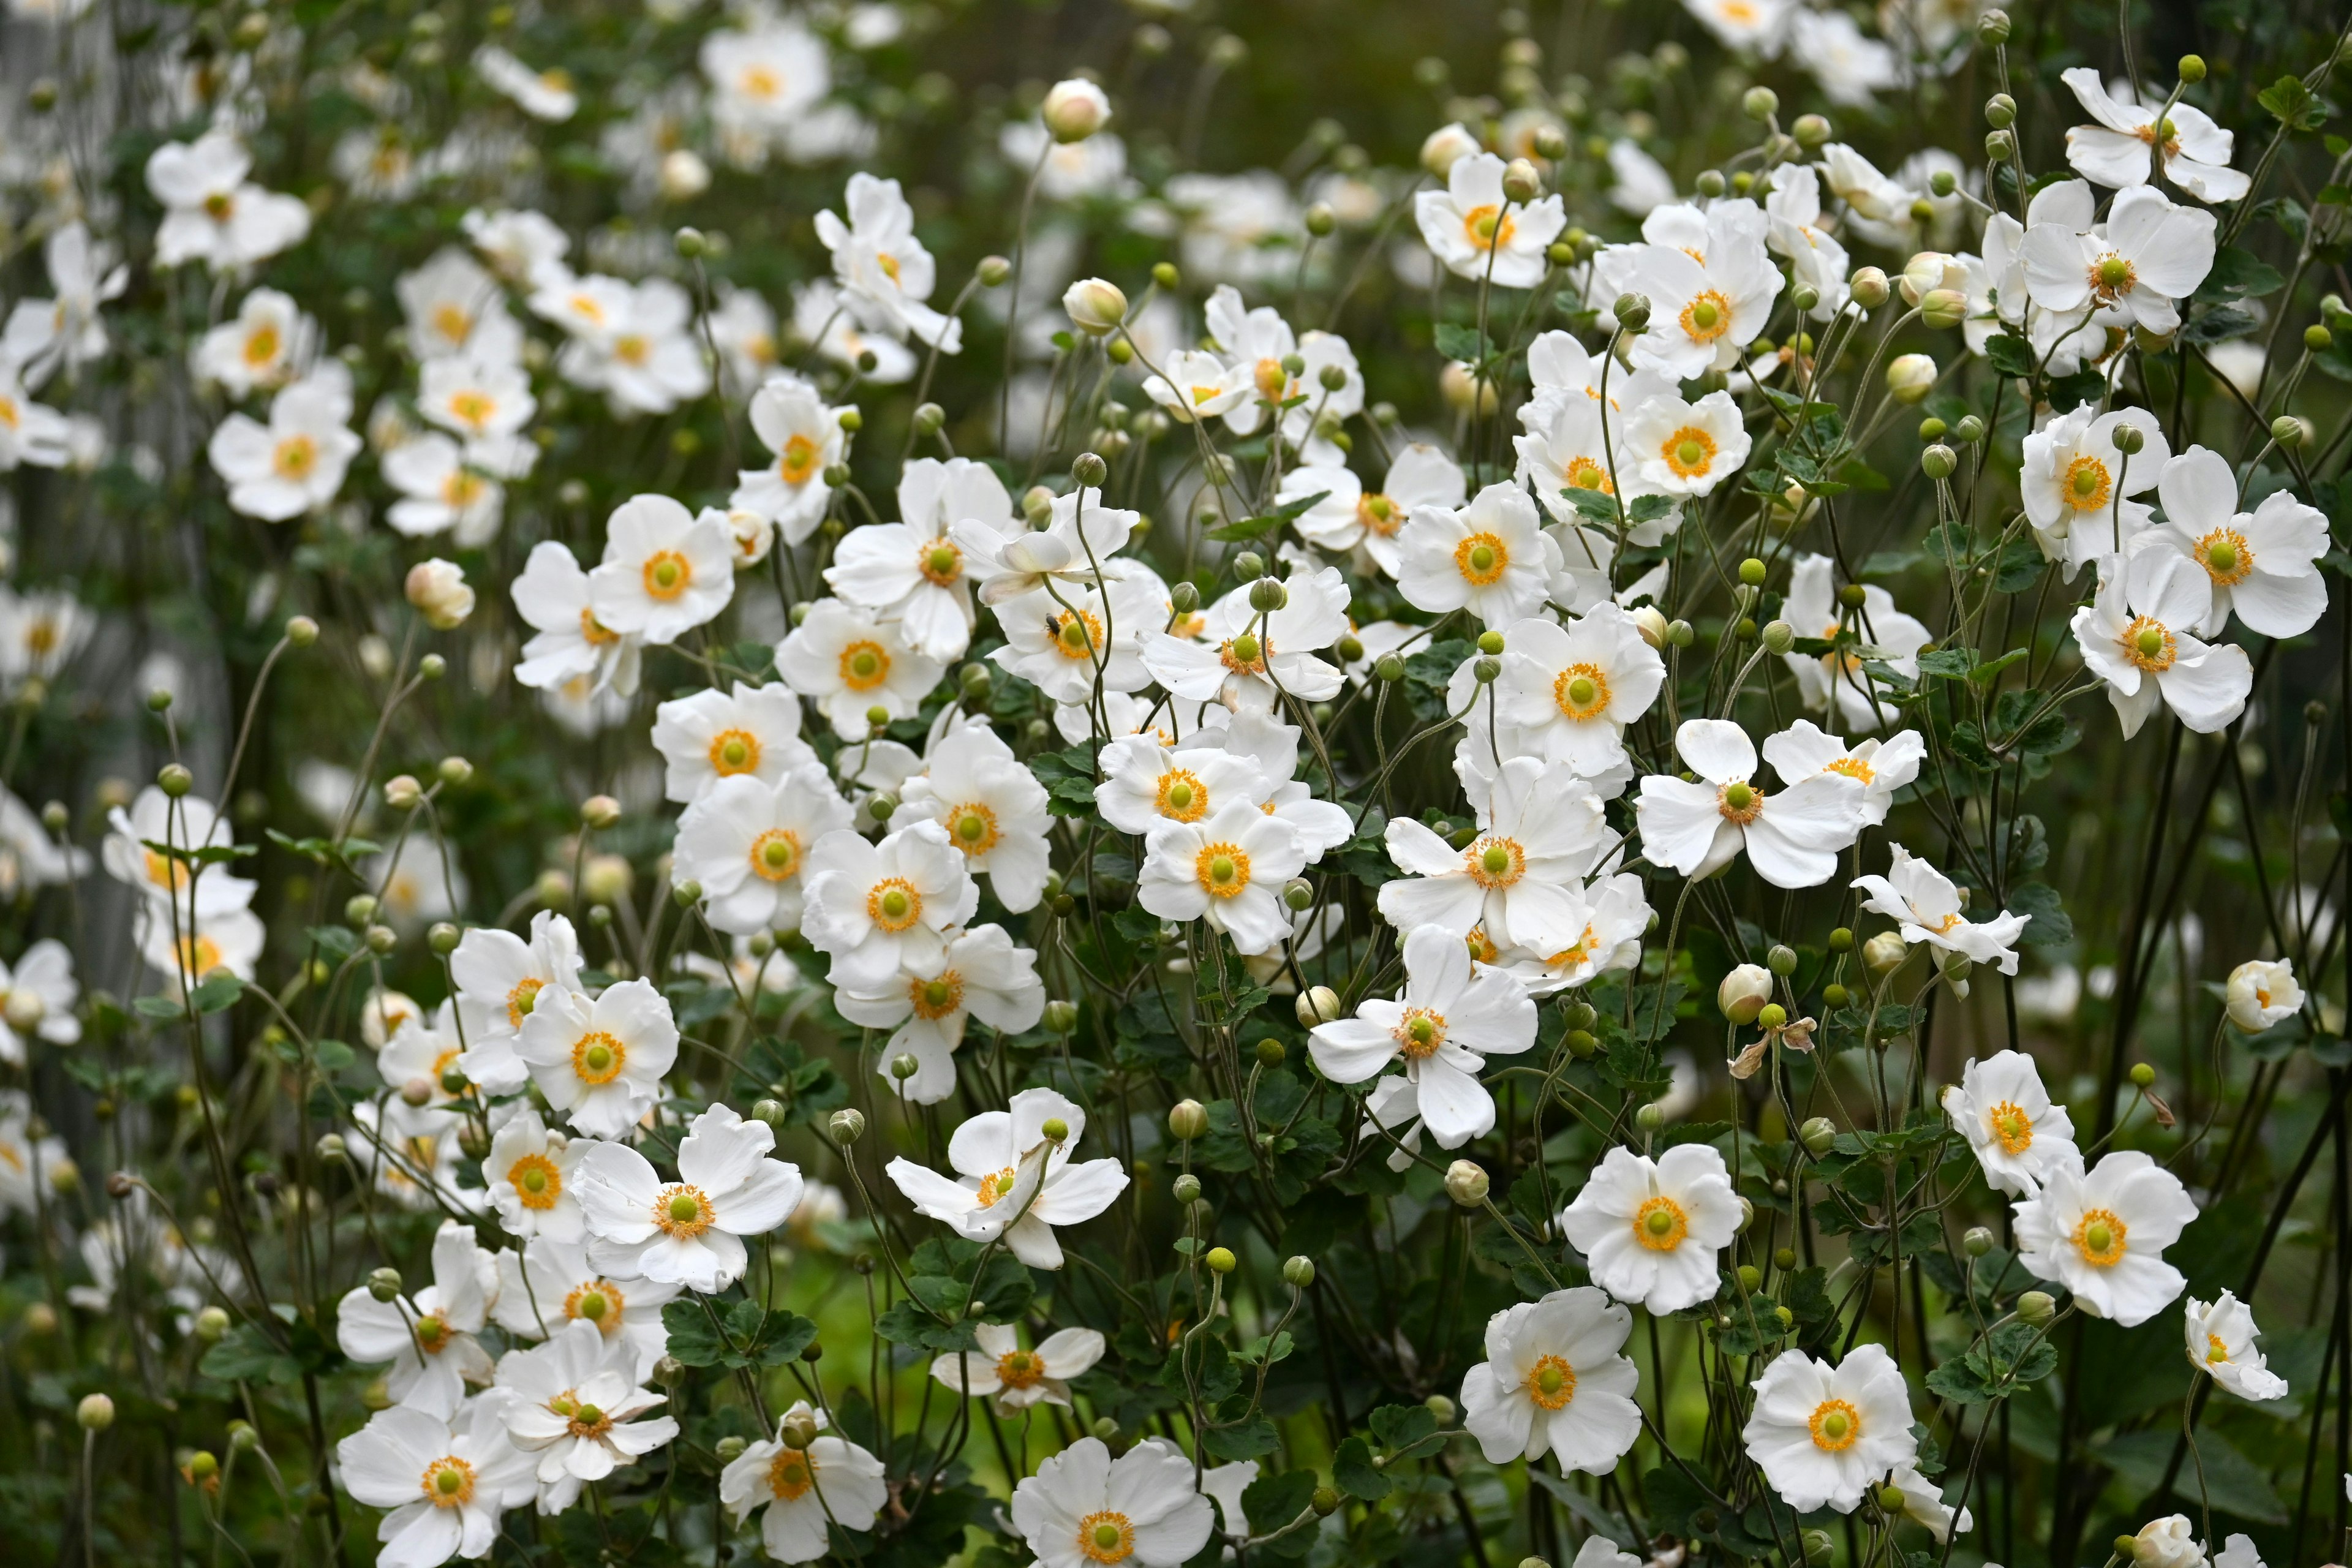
(218,993)
(1352,1472)
(160,1008)
(693,1338)
(1649,508)
(2219,324)
(2290,103)
(906,1323)
(1265,1348)
(1467,344)
(1593,504)
(1243,1440)
(247,1354)
(2239,274)
(1951,663)
(2051,925)
(2010,356)
(1270,1502)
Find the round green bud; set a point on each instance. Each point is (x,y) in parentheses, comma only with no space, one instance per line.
(2143,1076)
(1751,571)
(1220,1260)
(1299,1272)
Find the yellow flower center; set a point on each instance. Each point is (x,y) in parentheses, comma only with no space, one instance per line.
(535,1181)
(453,321)
(1708,316)
(2086,485)
(864,665)
(1222,870)
(2112,277)
(1583,473)
(775,855)
(2224,556)
(522,1000)
(760,81)
(261,345)
(1076,633)
(164,871)
(1551,1382)
(2216,1353)
(1106,1537)
(1271,380)
(632,349)
(1420,1033)
(1660,1224)
(1837,1425)
(1689,452)
(1482,946)
(941,563)
(938,997)
(973,827)
(2099,1238)
(789,1474)
(888,263)
(1182,796)
(1245,655)
(2148,644)
(294,458)
(1379,514)
(1020,1369)
(1741,802)
(1494,862)
(449,1482)
(893,904)
(597,1056)
(597,633)
(473,407)
(462,489)
(993,1187)
(667,574)
(1852,768)
(1581,691)
(1488,226)
(2011,1127)
(683,1211)
(798,461)
(1481,559)
(596,1302)
(734,751)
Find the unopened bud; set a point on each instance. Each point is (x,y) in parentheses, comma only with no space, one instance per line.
(847,1125)
(1466,1183)
(1317,1005)
(1188,1120)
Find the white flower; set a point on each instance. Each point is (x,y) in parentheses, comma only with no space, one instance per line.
(438,590)
(1480,234)
(805,438)
(1824,1435)
(2168,1542)
(445,1482)
(1364,524)
(1273,746)
(550,594)
(485,403)
(1698,827)
(664,571)
(2238,1552)
(1065,641)
(600,1061)
(524,246)
(1019,1379)
(1926,905)
(1754,27)
(1568,692)
(1709,280)
(37,996)
(2018,1133)
(1850,66)
(851,663)
(2150,256)
(876,909)
(2263,994)
(1450,1017)
(454,306)
(885,273)
(2134,635)
(549,1284)
(747,841)
(531,1176)
(184,951)
(1923,1502)
(1490,557)
(2102,1234)
(687,1232)
(2119,150)
(1615,917)
(1228,868)
(1226,1485)
(819,318)
(1083,1509)
(418,1053)
(440,494)
(1572,442)
(30,433)
(1017,1182)
(29,1165)
(1837,679)
(714,735)
(831,1481)
(1145,783)
(85,273)
(1248,659)
(912,573)
(1195,383)
(268,343)
(635,343)
(576,1411)
(1556,1381)
(1681,448)
(411,1155)
(993,808)
(1520,878)
(1883,767)
(1073,550)
(2260,565)
(429,1339)
(544,95)
(1650,1229)
(980,973)
(2078,483)
(499,978)
(211,213)
(2220,1343)
(1793,214)
(764,79)
(295,463)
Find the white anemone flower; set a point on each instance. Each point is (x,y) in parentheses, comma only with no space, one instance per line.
(2221,1337)
(850,664)
(268,343)
(1249,659)
(1197,385)
(2132,271)
(1616,915)
(1228,869)
(297,461)
(1145,783)
(1651,1230)
(499,978)
(688,1232)
(1824,1435)
(1883,766)
(1476,232)
(1572,443)
(184,951)
(2102,1234)
(1017,1379)
(2263,565)
(1924,1504)
(1680,448)
(2120,150)
(913,574)
(1083,1509)
(1363,524)
(1490,557)
(1792,212)
(2134,635)
(446,1479)
(39,993)
(600,1061)
(1016,1182)
(1068,640)
(549,1284)
(440,494)
(763,78)
(714,735)
(531,1175)
(429,1338)
(2078,484)
(876,909)
(453,306)
(31,432)
(1073,550)
(885,273)
(665,572)
(1273,746)
(1450,1017)
(2019,1135)
(578,1411)
(2169,1542)
(524,246)
(1710,289)
(1569,692)
(804,1490)
(550,594)
(993,808)
(547,95)
(979,974)
(2263,995)
(485,403)
(211,213)
(1926,906)
(805,438)
(1837,681)
(1540,835)
(1698,827)
(1556,1381)
(636,343)
(747,843)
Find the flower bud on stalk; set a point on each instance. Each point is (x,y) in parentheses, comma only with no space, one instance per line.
(1075,109)
(1095,307)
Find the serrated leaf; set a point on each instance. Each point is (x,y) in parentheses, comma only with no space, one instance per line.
(160,1008)
(2051,926)
(218,993)
(1352,1471)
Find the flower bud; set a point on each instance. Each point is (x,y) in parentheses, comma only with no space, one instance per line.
(1521,182)
(1438,1406)
(1976,1242)
(1810,130)
(1883,954)
(1390,668)
(1652,624)
(1938,461)
(2129,439)
(1075,109)
(330,1148)
(1942,308)
(96,1413)
(383,1284)
(2037,1306)
(174,779)
(1782,960)
(1095,307)
(1760,103)
(1632,312)
(1188,1120)
(799,1429)
(1778,637)
(847,1126)
(1466,1183)
(1299,1273)
(380,939)
(1089,470)
(1268,595)
(1870,287)
(1818,1134)
(1444,147)
(1054,1130)
(442,937)
(683,177)
(993,271)
(1298,894)
(438,588)
(1061,1015)
(1651,1117)
(1185,1189)
(301,631)
(1317,1005)
(402,792)
(1744,991)
(1999,146)
(2287,430)
(212,1323)
(1993,29)
(729,1448)
(1910,377)
(1220,1260)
